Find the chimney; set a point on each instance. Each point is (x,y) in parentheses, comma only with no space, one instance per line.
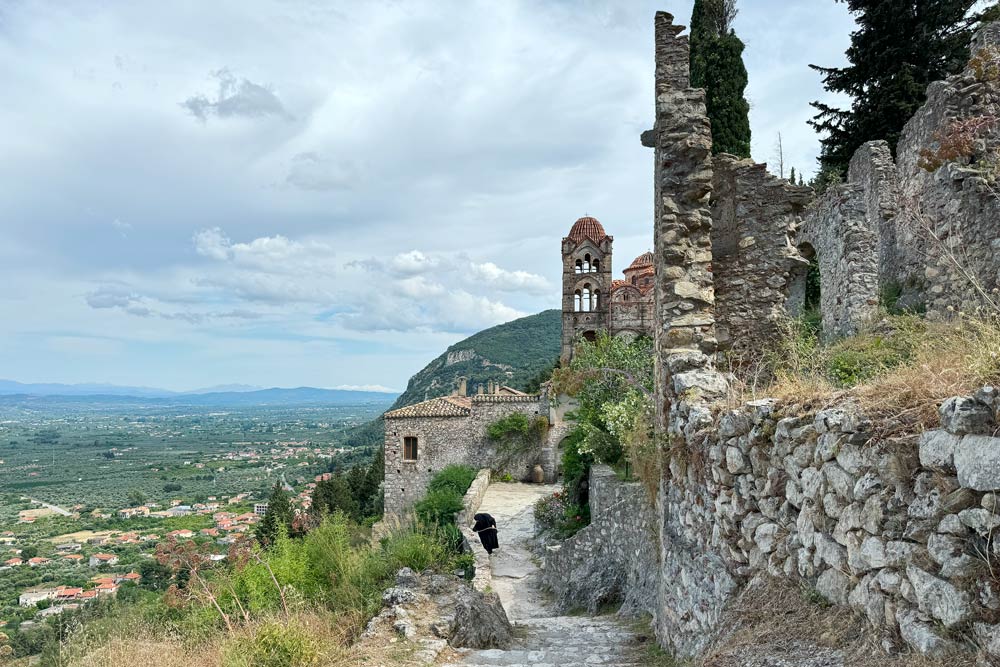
(479,389)
(463,387)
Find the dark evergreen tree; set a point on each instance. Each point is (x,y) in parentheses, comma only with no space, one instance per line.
(899,48)
(717,66)
(278,517)
(791,177)
(335,495)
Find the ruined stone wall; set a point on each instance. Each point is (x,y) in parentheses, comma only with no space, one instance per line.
(930,238)
(846,245)
(614,559)
(689,577)
(754,217)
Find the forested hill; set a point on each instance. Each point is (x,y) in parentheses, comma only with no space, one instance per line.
(513,354)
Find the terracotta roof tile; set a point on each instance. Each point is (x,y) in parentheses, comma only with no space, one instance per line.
(645,260)
(587,228)
(447,406)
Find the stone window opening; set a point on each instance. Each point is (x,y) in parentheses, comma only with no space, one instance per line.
(597,265)
(595,302)
(410,448)
(586,263)
(585,305)
(579,266)
(577,301)
(635,280)
(804,285)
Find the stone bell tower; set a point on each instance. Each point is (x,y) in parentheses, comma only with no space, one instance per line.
(586,254)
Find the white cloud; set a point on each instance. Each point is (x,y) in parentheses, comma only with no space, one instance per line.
(235,97)
(510,281)
(212,243)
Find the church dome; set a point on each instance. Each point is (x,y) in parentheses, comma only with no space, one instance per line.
(643,261)
(587,228)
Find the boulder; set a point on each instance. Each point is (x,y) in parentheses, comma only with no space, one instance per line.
(834,585)
(937,450)
(980,520)
(949,552)
(939,598)
(921,636)
(963,415)
(977,459)
(480,621)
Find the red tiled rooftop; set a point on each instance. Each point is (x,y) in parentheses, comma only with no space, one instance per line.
(587,228)
(446,406)
(643,261)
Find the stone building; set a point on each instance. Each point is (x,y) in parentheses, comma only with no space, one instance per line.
(422,439)
(592,301)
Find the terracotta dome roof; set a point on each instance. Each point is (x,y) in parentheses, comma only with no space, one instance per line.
(589,228)
(643,261)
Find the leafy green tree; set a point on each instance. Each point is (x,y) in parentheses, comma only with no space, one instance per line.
(155,575)
(899,48)
(136,497)
(717,66)
(278,517)
(29,551)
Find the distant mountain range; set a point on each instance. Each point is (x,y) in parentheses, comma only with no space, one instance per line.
(232,395)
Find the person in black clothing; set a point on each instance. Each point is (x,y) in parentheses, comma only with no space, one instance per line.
(486,527)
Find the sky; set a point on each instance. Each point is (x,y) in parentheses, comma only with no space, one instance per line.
(329,193)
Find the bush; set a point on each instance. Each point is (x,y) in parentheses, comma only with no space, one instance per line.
(455,478)
(438,508)
(272,644)
(557,515)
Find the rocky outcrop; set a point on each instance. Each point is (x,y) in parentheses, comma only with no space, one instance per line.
(480,621)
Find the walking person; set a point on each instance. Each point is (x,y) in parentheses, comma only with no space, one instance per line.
(486,527)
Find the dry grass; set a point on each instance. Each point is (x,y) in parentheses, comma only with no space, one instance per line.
(904,367)
(772,619)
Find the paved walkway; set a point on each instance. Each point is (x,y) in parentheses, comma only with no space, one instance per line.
(544,638)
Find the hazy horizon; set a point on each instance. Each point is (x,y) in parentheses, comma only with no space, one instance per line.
(331,194)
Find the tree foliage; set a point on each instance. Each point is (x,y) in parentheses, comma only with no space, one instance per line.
(717,66)
(278,518)
(899,48)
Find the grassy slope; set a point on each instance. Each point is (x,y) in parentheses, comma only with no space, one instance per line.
(512,354)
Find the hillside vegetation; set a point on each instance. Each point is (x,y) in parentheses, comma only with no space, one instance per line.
(513,354)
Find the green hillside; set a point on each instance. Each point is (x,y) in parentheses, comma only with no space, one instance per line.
(514,354)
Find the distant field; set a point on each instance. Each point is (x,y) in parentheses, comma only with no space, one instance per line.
(105,459)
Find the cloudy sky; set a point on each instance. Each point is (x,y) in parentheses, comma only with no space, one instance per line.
(327,193)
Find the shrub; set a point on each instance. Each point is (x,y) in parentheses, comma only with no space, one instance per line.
(439,507)
(272,644)
(456,478)
(557,515)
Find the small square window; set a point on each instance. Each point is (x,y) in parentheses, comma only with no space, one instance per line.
(409,448)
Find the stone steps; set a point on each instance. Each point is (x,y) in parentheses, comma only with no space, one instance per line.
(563,640)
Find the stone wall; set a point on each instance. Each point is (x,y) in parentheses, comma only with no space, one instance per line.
(471,502)
(444,441)
(613,559)
(754,261)
(918,238)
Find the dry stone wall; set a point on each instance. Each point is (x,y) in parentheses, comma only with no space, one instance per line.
(614,559)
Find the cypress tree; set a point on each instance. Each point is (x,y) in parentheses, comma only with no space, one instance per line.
(717,66)
(899,48)
(279,516)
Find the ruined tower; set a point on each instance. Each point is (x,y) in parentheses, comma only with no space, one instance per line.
(586,254)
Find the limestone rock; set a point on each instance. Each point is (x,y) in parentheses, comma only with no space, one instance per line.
(480,621)
(964,415)
(921,636)
(980,520)
(834,585)
(939,598)
(937,450)
(977,459)
(950,553)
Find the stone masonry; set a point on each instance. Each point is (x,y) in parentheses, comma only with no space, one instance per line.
(452,430)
